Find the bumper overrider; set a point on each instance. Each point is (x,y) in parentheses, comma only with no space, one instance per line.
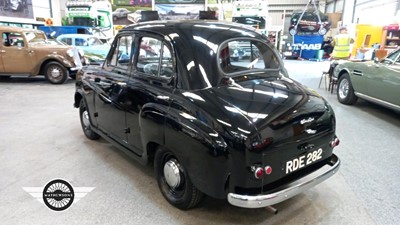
(76,62)
(287,191)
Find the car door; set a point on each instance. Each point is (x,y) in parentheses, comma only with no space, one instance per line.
(2,46)
(15,54)
(111,88)
(384,82)
(149,89)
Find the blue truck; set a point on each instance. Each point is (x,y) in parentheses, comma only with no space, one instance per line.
(55,31)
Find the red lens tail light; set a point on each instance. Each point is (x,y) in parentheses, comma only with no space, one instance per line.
(258,172)
(268,170)
(335,142)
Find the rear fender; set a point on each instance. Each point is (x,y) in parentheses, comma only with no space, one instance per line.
(201,150)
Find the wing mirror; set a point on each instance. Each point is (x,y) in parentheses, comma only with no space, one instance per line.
(376,60)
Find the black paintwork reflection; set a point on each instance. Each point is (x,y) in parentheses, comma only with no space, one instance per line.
(109,105)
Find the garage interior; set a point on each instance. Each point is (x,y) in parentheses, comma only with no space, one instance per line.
(41,139)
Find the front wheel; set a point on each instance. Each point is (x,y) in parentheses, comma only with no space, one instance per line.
(85,121)
(345,91)
(55,73)
(174,182)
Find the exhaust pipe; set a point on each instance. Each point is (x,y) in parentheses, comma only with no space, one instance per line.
(272,209)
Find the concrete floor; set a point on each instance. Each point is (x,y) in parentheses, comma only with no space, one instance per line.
(41,139)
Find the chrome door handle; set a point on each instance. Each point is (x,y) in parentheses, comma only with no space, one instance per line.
(31,51)
(162,97)
(1,51)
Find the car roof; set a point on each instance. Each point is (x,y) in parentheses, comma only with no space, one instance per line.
(202,28)
(15,29)
(76,35)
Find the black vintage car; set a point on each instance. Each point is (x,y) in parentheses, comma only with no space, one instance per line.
(239,129)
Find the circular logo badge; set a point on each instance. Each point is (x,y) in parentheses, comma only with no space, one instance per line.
(58,195)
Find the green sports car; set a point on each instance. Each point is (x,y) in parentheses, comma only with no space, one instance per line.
(375,81)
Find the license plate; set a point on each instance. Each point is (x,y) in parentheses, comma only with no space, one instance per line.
(303,161)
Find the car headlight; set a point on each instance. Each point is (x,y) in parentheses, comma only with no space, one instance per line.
(322,31)
(70,53)
(293,31)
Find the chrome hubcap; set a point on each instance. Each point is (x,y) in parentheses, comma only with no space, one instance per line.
(343,89)
(172,173)
(55,72)
(85,119)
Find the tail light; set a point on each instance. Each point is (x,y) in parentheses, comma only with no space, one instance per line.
(268,170)
(257,146)
(335,142)
(258,172)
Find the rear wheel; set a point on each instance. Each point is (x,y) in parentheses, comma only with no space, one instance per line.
(174,182)
(55,73)
(85,122)
(345,91)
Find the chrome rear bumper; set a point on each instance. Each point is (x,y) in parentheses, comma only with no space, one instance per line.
(287,191)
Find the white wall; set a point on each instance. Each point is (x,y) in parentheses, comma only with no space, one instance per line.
(380,12)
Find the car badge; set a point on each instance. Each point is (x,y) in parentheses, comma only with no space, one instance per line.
(309,120)
(309,131)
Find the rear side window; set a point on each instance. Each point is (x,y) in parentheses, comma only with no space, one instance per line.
(155,58)
(80,42)
(246,55)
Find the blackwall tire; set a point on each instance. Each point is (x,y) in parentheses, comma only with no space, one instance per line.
(345,92)
(56,73)
(174,182)
(85,122)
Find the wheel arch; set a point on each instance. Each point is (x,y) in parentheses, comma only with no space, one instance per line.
(77,99)
(205,157)
(343,71)
(49,60)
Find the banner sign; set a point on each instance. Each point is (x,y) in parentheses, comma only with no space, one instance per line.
(309,45)
(178,11)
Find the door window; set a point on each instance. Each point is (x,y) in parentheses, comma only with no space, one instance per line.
(121,55)
(13,39)
(155,58)
(67,41)
(392,58)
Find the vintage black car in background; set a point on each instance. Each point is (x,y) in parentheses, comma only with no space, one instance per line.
(238,129)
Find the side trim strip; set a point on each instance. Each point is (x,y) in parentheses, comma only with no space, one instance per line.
(377,101)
